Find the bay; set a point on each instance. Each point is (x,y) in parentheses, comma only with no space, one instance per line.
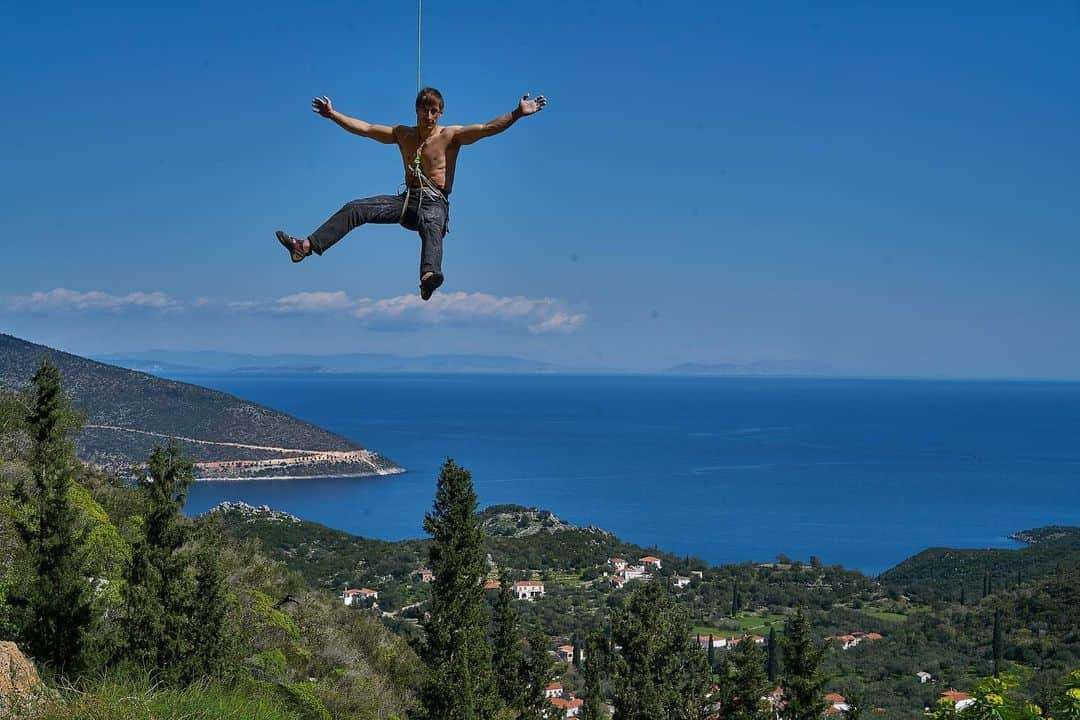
(862,473)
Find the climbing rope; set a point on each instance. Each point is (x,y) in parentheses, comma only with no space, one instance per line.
(419,8)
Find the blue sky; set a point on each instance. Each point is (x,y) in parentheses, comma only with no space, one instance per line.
(852,187)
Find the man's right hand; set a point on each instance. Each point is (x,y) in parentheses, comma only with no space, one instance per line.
(322,106)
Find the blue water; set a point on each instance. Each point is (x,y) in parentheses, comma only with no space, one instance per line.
(858,472)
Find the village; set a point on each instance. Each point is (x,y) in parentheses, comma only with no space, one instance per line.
(563,703)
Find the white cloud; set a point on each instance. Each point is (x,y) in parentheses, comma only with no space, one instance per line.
(60,299)
(409,311)
(560,322)
(404,312)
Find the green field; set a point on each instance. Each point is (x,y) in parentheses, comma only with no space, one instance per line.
(886,616)
(752,624)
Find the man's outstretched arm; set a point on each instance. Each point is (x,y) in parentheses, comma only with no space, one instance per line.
(382,133)
(468,134)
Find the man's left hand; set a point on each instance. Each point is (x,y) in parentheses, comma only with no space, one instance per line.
(528,107)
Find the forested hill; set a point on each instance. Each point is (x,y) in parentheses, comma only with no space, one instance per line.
(942,573)
(128,412)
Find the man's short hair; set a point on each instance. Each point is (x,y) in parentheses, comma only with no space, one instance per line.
(429,96)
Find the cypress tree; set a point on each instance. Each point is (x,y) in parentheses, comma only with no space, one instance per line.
(712,652)
(160,593)
(459,685)
(661,671)
(576,657)
(593,707)
(772,662)
(961,595)
(55,602)
(998,643)
(212,641)
(986,583)
(508,656)
(734,597)
(746,668)
(538,670)
(803,680)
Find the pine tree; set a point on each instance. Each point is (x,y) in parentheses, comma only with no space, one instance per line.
(594,707)
(459,685)
(508,656)
(55,602)
(803,680)
(772,662)
(538,671)
(661,671)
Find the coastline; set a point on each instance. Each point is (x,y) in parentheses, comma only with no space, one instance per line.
(244,478)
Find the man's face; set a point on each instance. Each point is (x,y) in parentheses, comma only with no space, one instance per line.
(427,116)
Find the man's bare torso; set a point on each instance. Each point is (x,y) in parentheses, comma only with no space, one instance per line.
(438,158)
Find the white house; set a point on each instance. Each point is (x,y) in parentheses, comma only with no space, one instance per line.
(959,699)
(569,707)
(680,581)
(554,689)
(633,571)
(351,596)
(651,561)
(528,589)
(924,677)
(617,563)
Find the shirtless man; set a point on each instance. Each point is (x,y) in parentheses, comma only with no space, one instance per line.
(429,152)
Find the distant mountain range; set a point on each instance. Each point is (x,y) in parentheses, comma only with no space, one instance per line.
(171,362)
(751,369)
(129,412)
(179,362)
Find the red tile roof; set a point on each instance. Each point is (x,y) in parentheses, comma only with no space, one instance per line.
(955,695)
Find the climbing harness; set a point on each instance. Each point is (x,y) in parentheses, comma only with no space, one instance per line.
(410,215)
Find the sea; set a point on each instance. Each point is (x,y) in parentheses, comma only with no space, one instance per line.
(860,473)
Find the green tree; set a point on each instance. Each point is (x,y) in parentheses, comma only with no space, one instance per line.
(743,672)
(212,637)
(459,685)
(160,593)
(803,681)
(54,602)
(998,643)
(661,671)
(509,656)
(594,707)
(537,673)
(772,662)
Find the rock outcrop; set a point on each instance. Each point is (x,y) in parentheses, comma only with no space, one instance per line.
(19,681)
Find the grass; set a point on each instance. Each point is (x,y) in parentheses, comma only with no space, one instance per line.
(752,624)
(139,699)
(886,616)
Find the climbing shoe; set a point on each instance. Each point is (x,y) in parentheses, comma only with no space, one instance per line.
(429,286)
(295,246)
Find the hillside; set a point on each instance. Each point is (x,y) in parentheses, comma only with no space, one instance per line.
(941,573)
(128,412)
